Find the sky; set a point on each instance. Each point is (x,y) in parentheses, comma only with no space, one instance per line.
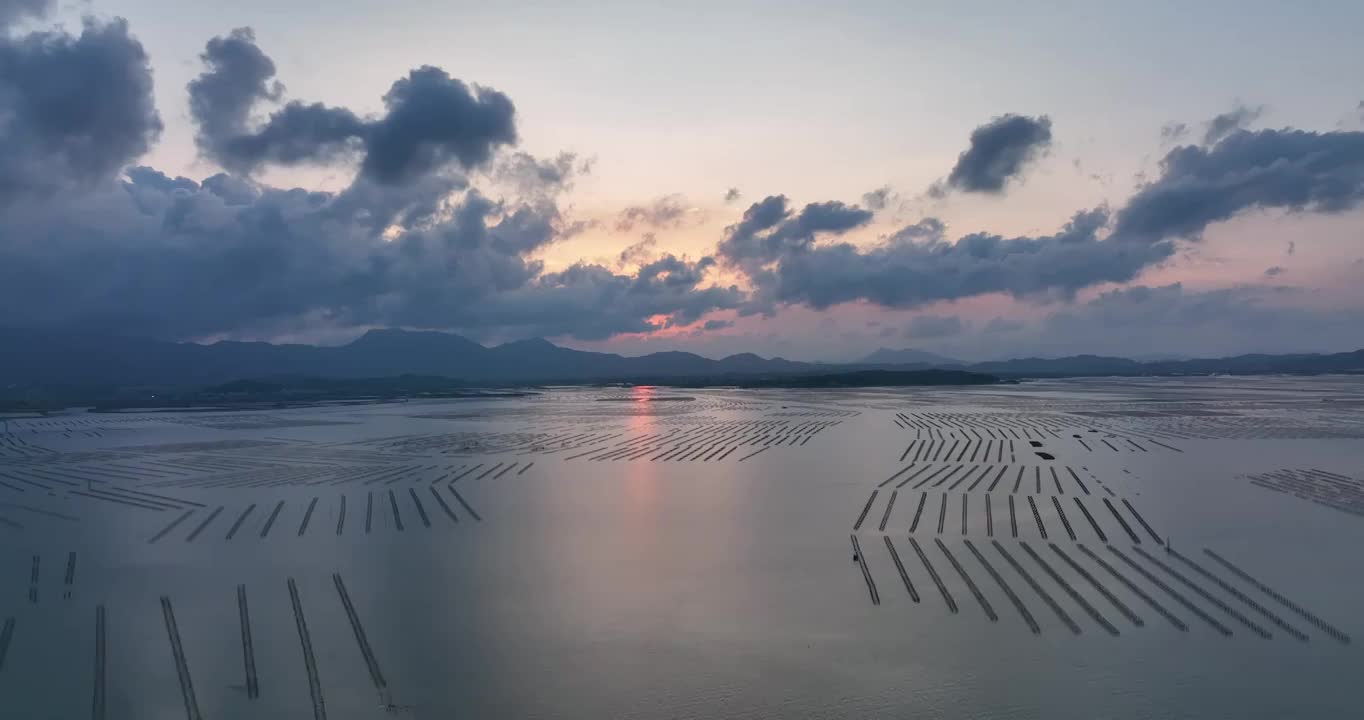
(812,181)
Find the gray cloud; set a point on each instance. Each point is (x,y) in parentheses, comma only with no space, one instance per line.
(12,11)
(769,230)
(1274,271)
(74,109)
(732,195)
(405,244)
(1173,132)
(917,266)
(664,212)
(1000,150)
(717,325)
(640,252)
(1228,122)
(879,198)
(1294,170)
(237,75)
(432,120)
(527,173)
(168,257)
(934,326)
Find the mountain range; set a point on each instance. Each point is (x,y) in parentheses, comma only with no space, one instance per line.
(48,358)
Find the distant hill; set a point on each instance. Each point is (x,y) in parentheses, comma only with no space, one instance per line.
(35,357)
(44,359)
(908,356)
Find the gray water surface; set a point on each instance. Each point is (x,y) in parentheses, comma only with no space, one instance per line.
(600,581)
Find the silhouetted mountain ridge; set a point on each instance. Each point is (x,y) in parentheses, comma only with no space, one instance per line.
(38,357)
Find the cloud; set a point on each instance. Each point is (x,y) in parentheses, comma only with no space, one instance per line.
(769,230)
(1172,133)
(717,325)
(999,152)
(1228,122)
(168,257)
(664,212)
(640,252)
(1274,271)
(917,265)
(12,11)
(528,174)
(879,198)
(934,326)
(74,109)
(733,194)
(1295,170)
(135,251)
(432,121)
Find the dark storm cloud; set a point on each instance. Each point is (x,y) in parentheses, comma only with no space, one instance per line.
(1293,170)
(934,326)
(769,230)
(1228,122)
(664,212)
(12,11)
(74,109)
(432,120)
(1000,150)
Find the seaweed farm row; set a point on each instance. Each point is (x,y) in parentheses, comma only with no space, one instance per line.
(1227,425)
(971,444)
(489,443)
(316,613)
(738,440)
(1074,588)
(1037,516)
(229,471)
(14,445)
(374,510)
(1020,426)
(991,477)
(41,578)
(1329,489)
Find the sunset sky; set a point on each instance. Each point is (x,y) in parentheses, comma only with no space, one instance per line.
(982,180)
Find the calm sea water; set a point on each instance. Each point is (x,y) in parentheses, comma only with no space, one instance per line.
(639,588)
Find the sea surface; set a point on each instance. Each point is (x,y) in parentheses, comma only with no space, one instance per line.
(1176,548)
